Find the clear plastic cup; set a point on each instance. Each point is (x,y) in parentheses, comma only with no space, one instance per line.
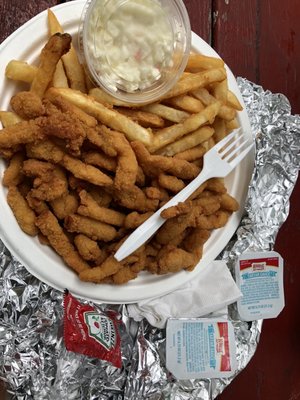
(135,50)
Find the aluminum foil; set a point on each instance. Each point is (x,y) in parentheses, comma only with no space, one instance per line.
(33,360)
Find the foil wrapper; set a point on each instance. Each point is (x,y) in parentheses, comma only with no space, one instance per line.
(33,360)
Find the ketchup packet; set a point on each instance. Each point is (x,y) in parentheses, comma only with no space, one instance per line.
(90,332)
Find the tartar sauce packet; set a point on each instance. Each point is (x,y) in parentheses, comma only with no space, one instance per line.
(259,276)
(200,348)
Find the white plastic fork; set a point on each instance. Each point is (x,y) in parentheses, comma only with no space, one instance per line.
(218,162)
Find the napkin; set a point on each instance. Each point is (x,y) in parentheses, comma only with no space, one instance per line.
(209,292)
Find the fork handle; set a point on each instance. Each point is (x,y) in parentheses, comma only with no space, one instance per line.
(152,224)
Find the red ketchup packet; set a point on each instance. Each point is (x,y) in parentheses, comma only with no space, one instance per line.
(92,333)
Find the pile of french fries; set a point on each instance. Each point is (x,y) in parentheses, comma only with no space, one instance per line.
(85,169)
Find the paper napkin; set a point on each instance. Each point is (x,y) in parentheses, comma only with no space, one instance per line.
(209,292)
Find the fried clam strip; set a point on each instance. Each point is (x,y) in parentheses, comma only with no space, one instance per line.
(135,199)
(45,150)
(50,180)
(134,219)
(86,172)
(167,136)
(65,125)
(65,205)
(105,115)
(192,154)
(175,211)
(13,174)
(103,139)
(170,183)
(104,142)
(194,242)
(37,205)
(174,259)
(27,105)
(129,272)
(153,165)
(56,47)
(22,133)
(100,160)
(111,266)
(174,227)
(49,227)
(23,213)
(95,230)
(127,165)
(89,208)
(228,202)
(209,204)
(88,248)
(66,106)
(203,213)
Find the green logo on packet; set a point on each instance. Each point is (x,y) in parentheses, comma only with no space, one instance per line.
(101,328)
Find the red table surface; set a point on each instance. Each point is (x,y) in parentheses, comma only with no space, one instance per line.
(259,40)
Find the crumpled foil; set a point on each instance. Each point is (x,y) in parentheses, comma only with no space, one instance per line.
(33,360)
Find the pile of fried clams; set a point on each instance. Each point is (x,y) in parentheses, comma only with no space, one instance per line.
(82,187)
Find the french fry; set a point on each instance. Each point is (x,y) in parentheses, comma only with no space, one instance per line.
(233,101)
(53,23)
(9,118)
(195,81)
(198,62)
(105,98)
(219,126)
(59,78)
(73,68)
(231,125)
(144,118)
(56,46)
(168,135)
(187,103)
(187,142)
(225,111)
(168,113)
(109,117)
(220,91)
(20,71)
(89,84)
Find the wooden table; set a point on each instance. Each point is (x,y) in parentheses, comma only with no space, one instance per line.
(259,40)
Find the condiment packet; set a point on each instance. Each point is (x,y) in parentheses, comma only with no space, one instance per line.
(259,275)
(200,348)
(90,332)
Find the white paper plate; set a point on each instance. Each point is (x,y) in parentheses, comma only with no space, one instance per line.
(26,44)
